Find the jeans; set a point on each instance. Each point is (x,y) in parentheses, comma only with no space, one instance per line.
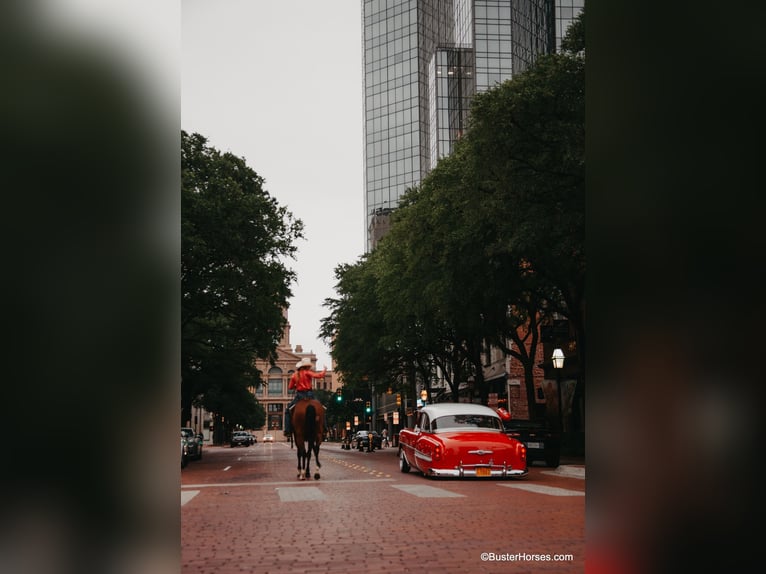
(298,396)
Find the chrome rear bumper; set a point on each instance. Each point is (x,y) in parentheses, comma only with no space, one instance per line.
(470,471)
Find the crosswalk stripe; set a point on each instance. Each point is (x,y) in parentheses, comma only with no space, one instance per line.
(300,494)
(551,490)
(425,491)
(303,493)
(187,495)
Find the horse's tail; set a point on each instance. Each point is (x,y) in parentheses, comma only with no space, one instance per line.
(309,428)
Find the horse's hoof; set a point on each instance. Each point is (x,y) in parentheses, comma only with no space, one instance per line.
(316,476)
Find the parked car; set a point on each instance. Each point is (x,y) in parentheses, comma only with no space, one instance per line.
(241,438)
(184,452)
(193,443)
(268,438)
(541,442)
(362,440)
(461,440)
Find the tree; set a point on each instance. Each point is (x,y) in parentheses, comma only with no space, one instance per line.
(355,325)
(489,245)
(234,237)
(426,279)
(528,141)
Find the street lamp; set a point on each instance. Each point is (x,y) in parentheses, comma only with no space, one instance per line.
(558,365)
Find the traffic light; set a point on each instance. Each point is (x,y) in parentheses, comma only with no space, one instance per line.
(367,407)
(398,399)
(338,396)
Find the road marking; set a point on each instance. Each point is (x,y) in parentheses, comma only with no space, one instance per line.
(425,491)
(283,482)
(551,490)
(187,495)
(361,468)
(300,494)
(227,468)
(568,471)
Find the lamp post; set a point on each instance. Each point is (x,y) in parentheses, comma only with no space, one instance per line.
(558,365)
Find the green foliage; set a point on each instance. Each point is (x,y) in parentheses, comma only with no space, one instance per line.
(528,140)
(357,318)
(234,285)
(488,245)
(237,405)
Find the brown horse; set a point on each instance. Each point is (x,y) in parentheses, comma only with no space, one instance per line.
(308,429)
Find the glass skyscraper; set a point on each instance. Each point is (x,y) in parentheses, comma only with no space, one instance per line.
(423,61)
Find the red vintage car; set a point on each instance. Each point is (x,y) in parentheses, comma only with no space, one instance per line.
(461,439)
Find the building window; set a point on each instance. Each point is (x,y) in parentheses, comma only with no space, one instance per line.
(275,382)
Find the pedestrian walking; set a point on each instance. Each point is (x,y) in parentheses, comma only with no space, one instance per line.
(384,434)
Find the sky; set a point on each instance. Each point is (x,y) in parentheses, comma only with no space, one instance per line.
(280,84)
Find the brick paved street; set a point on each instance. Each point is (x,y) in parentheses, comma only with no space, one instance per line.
(244,511)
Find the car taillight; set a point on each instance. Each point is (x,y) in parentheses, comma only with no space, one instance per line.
(523,452)
(437,453)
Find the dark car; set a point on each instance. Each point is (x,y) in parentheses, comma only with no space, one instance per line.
(241,438)
(193,443)
(362,440)
(541,442)
(184,452)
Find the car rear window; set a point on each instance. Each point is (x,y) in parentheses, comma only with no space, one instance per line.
(465,422)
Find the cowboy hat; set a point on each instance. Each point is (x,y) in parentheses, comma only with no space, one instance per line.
(304,362)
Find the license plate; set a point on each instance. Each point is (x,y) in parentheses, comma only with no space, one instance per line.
(483,472)
(534,445)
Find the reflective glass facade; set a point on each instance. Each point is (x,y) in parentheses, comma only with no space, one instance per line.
(538,26)
(450,89)
(423,61)
(566,11)
(492,40)
(395,137)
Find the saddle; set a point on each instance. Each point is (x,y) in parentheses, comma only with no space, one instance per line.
(291,407)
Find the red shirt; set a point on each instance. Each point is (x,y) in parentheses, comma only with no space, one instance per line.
(301,379)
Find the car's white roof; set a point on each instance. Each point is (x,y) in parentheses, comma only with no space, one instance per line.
(447,409)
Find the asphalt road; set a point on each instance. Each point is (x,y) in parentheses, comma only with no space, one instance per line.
(243,510)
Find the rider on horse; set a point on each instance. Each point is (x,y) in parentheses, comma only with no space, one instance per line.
(301,382)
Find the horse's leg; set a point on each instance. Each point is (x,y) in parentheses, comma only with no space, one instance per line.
(300,464)
(316,457)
